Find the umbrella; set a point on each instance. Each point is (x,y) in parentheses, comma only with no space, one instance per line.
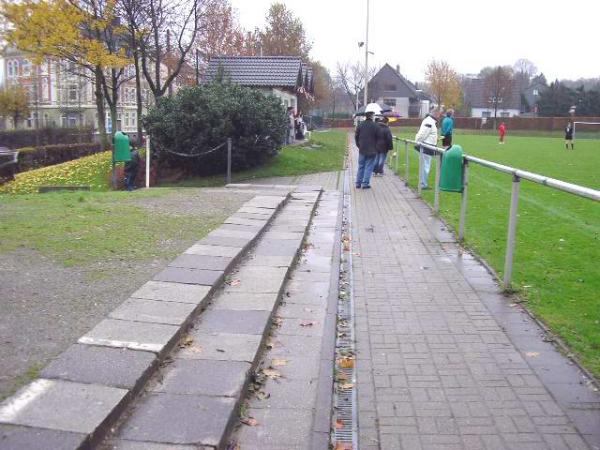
(375,108)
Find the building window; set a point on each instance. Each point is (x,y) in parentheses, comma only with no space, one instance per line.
(390,87)
(504,114)
(127,119)
(45,89)
(73,93)
(26,67)
(12,68)
(72,121)
(536,92)
(133,119)
(486,114)
(390,101)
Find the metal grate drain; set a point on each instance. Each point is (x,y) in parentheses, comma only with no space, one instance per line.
(344,430)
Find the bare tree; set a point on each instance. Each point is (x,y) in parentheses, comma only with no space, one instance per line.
(498,87)
(352,79)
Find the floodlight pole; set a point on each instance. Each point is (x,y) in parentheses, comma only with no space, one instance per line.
(367,58)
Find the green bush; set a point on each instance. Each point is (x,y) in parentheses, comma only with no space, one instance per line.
(44,136)
(184,128)
(49,155)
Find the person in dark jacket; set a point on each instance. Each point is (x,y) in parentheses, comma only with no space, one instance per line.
(385,143)
(569,136)
(366,136)
(131,170)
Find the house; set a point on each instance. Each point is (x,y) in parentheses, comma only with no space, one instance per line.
(285,77)
(530,95)
(60,94)
(477,99)
(389,87)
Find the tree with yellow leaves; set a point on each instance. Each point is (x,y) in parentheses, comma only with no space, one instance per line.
(82,32)
(444,84)
(14,103)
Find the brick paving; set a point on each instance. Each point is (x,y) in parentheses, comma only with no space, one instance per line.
(438,365)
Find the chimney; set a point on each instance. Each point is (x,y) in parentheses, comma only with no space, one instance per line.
(398,68)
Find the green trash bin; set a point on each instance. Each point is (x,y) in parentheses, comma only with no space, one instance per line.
(121,146)
(451,176)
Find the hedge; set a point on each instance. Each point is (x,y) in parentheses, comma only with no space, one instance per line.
(49,155)
(44,136)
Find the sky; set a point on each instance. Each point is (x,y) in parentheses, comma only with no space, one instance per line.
(562,38)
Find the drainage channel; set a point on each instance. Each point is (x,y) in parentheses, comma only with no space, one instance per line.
(345,424)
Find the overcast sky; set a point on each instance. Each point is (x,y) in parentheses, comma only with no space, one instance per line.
(561,37)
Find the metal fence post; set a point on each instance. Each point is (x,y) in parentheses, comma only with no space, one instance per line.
(419,171)
(406,168)
(463,201)
(397,151)
(147,161)
(512,228)
(436,197)
(228,160)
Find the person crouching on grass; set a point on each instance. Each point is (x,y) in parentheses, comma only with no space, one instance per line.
(569,136)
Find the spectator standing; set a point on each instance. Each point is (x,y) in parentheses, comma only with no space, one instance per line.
(502,132)
(300,126)
(131,170)
(427,134)
(385,143)
(365,137)
(569,136)
(447,129)
(289,139)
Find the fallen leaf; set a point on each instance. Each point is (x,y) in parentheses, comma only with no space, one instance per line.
(279,362)
(532,354)
(308,310)
(277,321)
(195,349)
(272,373)
(220,350)
(346,363)
(307,323)
(261,395)
(341,376)
(343,446)
(186,341)
(233,282)
(250,421)
(346,385)
(339,424)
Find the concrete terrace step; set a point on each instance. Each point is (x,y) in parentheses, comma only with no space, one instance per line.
(81,393)
(193,401)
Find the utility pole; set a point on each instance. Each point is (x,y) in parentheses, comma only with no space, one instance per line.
(168,61)
(367,59)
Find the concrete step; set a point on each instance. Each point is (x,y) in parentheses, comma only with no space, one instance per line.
(82,393)
(194,398)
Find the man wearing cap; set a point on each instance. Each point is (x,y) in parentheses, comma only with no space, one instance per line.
(366,136)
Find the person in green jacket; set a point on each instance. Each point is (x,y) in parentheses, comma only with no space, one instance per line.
(447,128)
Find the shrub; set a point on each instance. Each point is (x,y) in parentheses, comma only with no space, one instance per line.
(49,155)
(200,118)
(44,136)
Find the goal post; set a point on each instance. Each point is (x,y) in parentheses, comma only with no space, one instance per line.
(586,130)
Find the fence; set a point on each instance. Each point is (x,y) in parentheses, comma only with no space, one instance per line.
(228,142)
(517,176)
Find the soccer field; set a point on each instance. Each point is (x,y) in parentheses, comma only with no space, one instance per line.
(557,261)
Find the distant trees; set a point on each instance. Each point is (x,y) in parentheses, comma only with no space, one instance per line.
(443,84)
(14,103)
(498,86)
(351,77)
(557,100)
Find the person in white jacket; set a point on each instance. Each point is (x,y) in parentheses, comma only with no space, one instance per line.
(427,134)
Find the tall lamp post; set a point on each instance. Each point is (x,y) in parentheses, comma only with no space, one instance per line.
(367,57)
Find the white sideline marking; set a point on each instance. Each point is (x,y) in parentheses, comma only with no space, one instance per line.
(14,405)
(121,344)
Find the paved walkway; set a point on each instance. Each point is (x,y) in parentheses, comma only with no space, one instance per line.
(443,361)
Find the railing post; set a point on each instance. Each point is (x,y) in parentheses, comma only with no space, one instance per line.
(436,197)
(228,160)
(147,161)
(463,201)
(512,228)
(406,168)
(419,171)
(397,151)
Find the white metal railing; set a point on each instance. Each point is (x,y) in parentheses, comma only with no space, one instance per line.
(517,176)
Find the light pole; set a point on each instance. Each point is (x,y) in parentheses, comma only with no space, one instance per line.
(367,58)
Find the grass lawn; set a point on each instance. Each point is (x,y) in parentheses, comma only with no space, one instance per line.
(78,228)
(556,267)
(323,153)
